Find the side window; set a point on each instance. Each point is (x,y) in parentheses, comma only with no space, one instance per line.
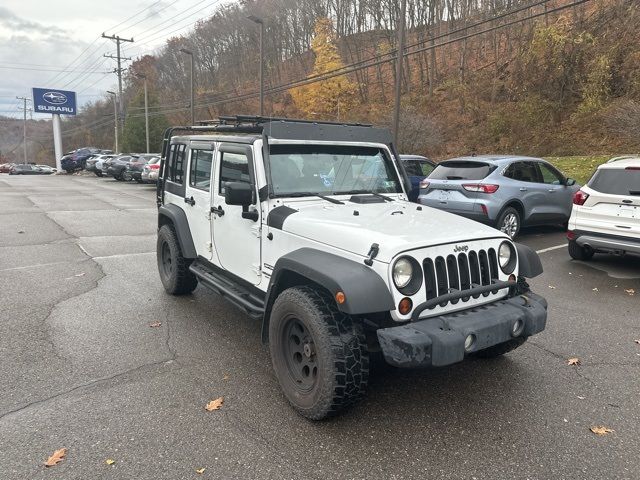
(413,168)
(176,172)
(169,162)
(550,175)
(522,171)
(426,168)
(234,167)
(200,170)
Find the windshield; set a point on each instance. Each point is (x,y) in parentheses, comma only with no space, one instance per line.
(616,181)
(460,170)
(300,170)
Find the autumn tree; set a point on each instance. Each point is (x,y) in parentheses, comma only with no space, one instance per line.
(134,136)
(331,98)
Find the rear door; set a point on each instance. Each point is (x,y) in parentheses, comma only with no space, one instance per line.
(613,206)
(446,185)
(197,199)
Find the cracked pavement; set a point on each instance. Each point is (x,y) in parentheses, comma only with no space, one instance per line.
(82,369)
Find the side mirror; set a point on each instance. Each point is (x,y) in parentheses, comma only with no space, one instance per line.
(238,193)
(569,182)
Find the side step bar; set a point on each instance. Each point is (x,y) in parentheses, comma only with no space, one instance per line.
(241,297)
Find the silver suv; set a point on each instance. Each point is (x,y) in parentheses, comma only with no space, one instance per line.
(506,192)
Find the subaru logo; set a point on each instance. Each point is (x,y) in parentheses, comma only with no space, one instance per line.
(55,98)
(461,248)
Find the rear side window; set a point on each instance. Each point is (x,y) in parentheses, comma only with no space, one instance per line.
(616,181)
(200,171)
(460,171)
(234,167)
(523,172)
(417,168)
(176,163)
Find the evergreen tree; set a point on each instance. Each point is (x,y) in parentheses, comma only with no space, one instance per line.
(134,137)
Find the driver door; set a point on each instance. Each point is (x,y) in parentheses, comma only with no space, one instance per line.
(236,239)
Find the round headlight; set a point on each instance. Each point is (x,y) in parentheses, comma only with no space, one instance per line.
(506,257)
(402,272)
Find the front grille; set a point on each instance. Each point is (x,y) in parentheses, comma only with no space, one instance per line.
(450,274)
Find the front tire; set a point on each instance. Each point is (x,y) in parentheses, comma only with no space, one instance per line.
(509,222)
(579,253)
(319,354)
(174,271)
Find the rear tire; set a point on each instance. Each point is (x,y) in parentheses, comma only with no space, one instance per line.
(579,253)
(509,222)
(98,174)
(174,271)
(319,354)
(500,349)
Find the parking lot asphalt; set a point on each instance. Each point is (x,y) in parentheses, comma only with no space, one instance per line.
(81,368)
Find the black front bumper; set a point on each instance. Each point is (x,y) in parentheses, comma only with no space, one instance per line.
(439,341)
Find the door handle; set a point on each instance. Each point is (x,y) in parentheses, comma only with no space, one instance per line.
(551,190)
(218,211)
(190,201)
(523,189)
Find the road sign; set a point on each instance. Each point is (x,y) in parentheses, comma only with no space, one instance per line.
(61,102)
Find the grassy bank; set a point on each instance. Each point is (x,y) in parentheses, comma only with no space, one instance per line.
(579,167)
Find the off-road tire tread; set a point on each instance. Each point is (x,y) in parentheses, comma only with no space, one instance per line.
(183,281)
(350,368)
(577,252)
(501,348)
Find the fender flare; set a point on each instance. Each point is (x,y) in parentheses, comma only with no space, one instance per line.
(178,219)
(365,291)
(529,261)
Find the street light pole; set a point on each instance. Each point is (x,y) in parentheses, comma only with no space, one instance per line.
(146,109)
(260,22)
(190,53)
(399,70)
(115,117)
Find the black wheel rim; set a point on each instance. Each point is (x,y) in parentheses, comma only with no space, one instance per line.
(167,263)
(300,355)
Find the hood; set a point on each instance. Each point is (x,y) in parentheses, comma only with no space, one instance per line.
(395,226)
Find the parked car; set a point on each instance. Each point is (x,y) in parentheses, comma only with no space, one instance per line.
(94,164)
(6,167)
(74,161)
(606,211)
(133,171)
(150,171)
(27,169)
(116,166)
(417,168)
(506,192)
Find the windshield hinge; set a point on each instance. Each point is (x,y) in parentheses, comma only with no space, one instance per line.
(373,253)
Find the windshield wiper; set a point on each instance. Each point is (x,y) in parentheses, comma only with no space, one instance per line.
(311,194)
(634,192)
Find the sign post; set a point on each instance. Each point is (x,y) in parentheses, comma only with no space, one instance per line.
(56,102)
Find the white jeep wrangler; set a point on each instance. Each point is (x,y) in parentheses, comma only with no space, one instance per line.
(306,226)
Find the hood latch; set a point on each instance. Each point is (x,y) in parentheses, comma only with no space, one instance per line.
(373,253)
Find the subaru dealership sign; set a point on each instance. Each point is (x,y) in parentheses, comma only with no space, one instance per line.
(46,100)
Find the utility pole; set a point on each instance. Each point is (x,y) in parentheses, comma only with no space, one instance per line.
(146,108)
(115,118)
(24,126)
(399,70)
(119,59)
(190,53)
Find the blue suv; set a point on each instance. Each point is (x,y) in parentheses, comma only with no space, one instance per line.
(506,192)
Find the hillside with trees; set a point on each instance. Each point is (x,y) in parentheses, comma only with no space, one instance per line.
(558,77)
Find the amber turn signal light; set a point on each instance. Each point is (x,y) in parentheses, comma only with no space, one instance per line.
(340,298)
(405,306)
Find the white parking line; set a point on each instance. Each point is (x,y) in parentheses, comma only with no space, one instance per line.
(544,250)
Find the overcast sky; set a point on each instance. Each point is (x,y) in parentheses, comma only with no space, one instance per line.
(38,37)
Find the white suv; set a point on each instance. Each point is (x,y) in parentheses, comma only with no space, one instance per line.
(606,212)
(306,227)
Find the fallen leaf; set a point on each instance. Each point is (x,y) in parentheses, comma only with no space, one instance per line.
(600,430)
(573,361)
(20,231)
(200,471)
(581,398)
(109,461)
(637,341)
(80,274)
(56,458)
(226,377)
(552,287)
(631,291)
(214,404)
(595,289)
(155,325)
(570,273)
